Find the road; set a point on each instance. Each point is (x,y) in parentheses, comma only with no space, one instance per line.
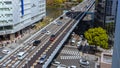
(34,53)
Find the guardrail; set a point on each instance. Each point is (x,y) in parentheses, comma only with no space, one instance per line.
(64,39)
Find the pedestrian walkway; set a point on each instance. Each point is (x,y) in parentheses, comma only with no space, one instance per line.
(13,45)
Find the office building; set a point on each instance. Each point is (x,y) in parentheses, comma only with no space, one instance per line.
(116,49)
(105,15)
(15,15)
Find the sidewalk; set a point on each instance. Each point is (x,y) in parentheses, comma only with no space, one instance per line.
(15,45)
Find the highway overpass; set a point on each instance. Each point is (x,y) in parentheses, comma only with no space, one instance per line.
(50,48)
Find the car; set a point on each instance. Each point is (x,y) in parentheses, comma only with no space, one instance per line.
(52,37)
(5,51)
(42,59)
(84,62)
(54,22)
(61,17)
(68,13)
(1,57)
(72,66)
(79,43)
(59,23)
(66,17)
(36,42)
(48,33)
(61,66)
(55,63)
(43,31)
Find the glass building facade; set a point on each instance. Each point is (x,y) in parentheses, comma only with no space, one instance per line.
(116,49)
(105,15)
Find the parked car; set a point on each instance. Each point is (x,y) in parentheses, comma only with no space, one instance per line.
(42,59)
(72,66)
(36,42)
(84,62)
(61,66)
(79,43)
(5,51)
(55,63)
(52,37)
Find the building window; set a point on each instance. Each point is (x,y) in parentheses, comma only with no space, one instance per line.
(8,15)
(7,2)
(1,28)
(8,27)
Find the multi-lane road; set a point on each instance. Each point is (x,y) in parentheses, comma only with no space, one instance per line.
(34,53)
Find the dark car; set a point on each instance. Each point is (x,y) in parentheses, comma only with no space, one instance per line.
(36,42)
(61,18)
(52,37)
(68,13)
(1,57)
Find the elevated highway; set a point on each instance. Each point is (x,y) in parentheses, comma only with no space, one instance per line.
(50,48)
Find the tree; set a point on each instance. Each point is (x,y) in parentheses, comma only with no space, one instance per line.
(97,36)
(79,1)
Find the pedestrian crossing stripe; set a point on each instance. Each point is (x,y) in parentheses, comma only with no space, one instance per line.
(70,57)
(70,52)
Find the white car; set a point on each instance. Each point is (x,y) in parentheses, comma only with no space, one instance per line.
(79,43)
(84,62)
(54,22)
(5,51)
(72,66)
(56,63)
(66,17)
(48,33)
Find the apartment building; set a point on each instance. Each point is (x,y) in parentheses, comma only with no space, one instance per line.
(15,15)
(105,14)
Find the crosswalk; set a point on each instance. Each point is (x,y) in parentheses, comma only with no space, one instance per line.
(70,57)
(70,54)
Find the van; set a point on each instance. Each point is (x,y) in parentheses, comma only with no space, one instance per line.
(21,55)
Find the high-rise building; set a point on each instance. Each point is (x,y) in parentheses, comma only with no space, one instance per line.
(105,14)
(116,49)
(15,15)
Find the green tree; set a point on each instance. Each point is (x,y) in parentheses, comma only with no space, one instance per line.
(97,36)
(79,1)
(58,2)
